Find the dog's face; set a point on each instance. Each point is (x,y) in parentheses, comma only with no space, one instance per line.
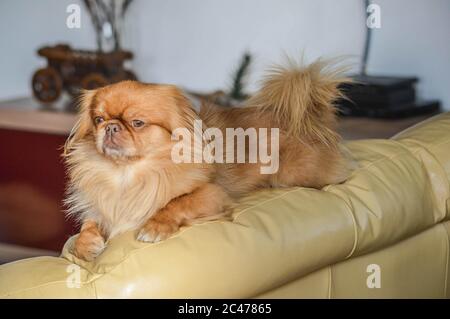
(130,120)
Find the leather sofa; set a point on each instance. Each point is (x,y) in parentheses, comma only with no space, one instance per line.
(384,233)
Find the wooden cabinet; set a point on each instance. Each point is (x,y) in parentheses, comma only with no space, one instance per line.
(32,175)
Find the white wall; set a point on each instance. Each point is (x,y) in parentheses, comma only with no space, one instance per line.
(415,40)
(198,43)
(26,25)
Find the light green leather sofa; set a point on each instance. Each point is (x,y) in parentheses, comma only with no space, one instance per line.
(383,233)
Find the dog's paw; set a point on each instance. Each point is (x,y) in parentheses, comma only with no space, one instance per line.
(155,231)
(88,245)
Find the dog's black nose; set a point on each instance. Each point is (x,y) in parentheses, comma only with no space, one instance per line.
(113,128)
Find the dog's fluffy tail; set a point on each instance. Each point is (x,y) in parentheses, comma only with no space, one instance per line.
(302,99)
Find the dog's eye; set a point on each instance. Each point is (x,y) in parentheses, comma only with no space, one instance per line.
(98,120)
(137,123)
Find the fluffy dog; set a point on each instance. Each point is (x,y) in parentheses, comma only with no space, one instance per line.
(123,177)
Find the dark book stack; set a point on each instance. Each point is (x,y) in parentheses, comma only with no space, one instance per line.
(384,97)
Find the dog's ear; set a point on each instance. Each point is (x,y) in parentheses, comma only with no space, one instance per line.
(84,124)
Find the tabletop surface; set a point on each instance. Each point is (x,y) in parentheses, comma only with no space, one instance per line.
(27,114)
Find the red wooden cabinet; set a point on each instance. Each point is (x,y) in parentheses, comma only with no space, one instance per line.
(32,178)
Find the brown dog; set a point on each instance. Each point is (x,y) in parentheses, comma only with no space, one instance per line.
(120,155)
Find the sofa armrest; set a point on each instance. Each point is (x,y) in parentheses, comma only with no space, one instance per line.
(400,188)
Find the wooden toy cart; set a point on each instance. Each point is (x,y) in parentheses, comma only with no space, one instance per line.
(72,70)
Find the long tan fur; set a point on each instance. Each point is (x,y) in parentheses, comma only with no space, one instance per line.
(135,185)
(302,98)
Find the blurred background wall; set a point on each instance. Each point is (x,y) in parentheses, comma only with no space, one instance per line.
(198,43)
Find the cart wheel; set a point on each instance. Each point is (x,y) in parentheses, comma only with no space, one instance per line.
(47,85)
(93,81)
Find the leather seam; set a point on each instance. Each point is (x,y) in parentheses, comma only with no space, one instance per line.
(83,283)
(355,227)
(40,286)
(95,289)
(428,150)
(405,151)
(447,261)
(372,164)
(269,200)
(355,231)
(330,280)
